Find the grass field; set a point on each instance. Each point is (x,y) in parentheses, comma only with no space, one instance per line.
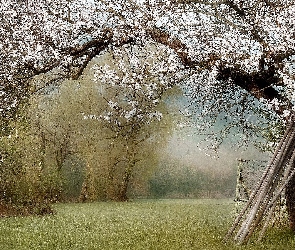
(140,224)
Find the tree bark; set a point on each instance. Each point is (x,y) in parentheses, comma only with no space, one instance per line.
(125,183)
(290,200)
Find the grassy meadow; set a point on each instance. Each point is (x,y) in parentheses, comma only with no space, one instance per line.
(140,224)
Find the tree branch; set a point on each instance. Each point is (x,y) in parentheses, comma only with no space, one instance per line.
(181,49)
(259,84)
(236,8)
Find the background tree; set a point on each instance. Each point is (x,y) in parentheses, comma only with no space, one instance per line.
(111,127)
(26,188)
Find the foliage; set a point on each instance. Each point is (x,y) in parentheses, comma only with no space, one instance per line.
(141,224)
(111,129)
(226,43)
(72,174)
(171,181)
(25,188)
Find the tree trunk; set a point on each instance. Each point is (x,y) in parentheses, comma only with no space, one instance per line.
(290,197)
(125,184)
(88,189)
(130,153)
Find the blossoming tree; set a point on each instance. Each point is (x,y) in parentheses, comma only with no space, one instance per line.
(219,44)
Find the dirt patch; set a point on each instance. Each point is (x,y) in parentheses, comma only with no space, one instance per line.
(9,210)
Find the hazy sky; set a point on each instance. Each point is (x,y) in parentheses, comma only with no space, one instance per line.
(191,152)
(189,148)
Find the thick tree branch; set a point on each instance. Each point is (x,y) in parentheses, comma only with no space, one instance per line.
(181,49)
(236,8)
(259,84)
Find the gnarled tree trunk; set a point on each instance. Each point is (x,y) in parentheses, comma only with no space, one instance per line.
(290,197)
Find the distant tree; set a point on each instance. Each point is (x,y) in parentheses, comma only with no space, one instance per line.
(26,188)
(138,83)
(112,127)
(175,179)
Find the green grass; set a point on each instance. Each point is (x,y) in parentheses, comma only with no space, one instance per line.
(141,224)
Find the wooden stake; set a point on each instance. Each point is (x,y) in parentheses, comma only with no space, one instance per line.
(262,199)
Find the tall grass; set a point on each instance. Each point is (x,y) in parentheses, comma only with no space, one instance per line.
(141,224)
